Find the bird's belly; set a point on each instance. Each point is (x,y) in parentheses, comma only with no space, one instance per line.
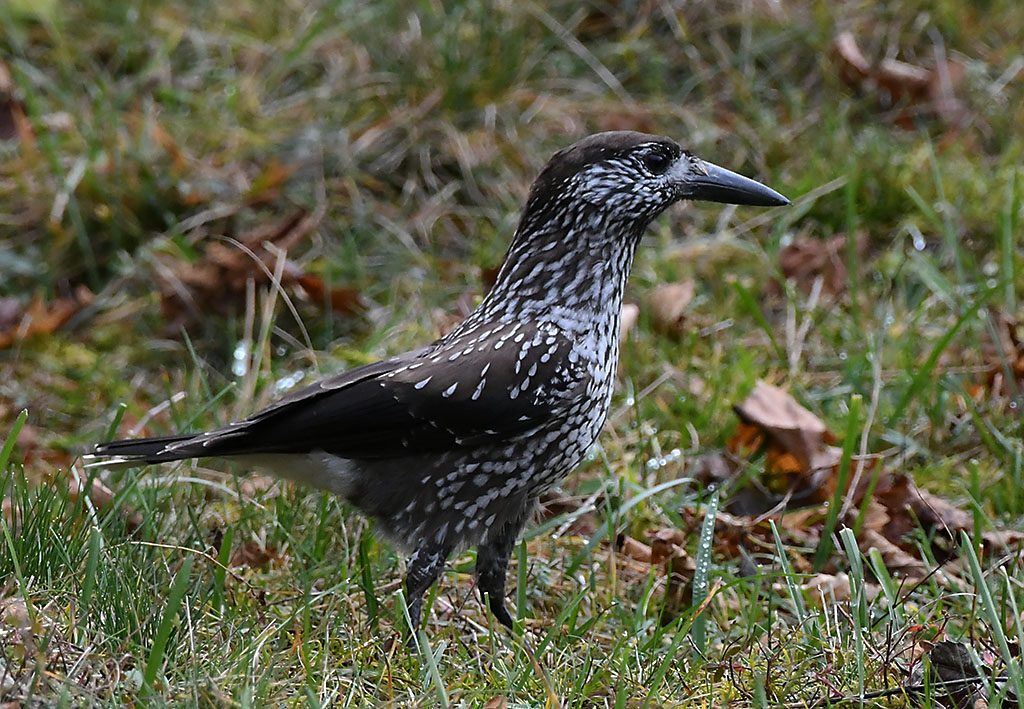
(457,496)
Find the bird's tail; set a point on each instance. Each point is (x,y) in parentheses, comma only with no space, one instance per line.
(140,451)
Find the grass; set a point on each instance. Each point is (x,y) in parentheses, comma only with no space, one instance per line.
(416,131)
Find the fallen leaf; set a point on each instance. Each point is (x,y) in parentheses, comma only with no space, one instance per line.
(898,562)
(914,91)
(496,703)
(1004,357)
(908,506)
(100,496)
(806,259)
(630,313)
(1005,540)
(791,427)
(13,123)
(38,317)
(667,305)
(955,679)
(665,543)
(634,549)
(343,300)
(827,588)
(218,280)
(252,555)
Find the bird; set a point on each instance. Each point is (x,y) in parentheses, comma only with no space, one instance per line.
(451,445)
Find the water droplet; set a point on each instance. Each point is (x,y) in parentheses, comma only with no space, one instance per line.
(288,382)
(240,359)
(842,355)
(990,268)
(918,240)
(630,401)
(991,283)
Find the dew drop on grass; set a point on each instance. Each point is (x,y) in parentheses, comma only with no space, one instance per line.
(918,240)
(842,355)
(288,382)
(240,359)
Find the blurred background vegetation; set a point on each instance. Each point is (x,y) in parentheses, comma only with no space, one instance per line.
(388,147)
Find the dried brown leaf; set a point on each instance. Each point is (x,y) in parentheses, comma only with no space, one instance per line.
(630,313)
(853,65)
(806,259)
(635,549)
(668,306)
(917,91)
(218,281)
(252,555)
(792,428)
(896,560)
(39,317)
(825,588)
(1005,540)
(907,506)
(101,496)
(1005,357)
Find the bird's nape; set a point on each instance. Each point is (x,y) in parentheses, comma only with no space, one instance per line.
(451,445)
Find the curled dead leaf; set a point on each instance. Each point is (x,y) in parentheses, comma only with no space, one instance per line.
(915,91)
(792,428)
(668,306)
(634,549)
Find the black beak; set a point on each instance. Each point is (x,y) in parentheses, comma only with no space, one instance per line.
(721,185)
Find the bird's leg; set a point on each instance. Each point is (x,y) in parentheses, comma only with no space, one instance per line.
(425,566)
(492,558)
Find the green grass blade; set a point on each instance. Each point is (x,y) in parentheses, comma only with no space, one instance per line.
(163,632)
(702,574)
(12,437)
(926,372)
(836,504)
(993,614)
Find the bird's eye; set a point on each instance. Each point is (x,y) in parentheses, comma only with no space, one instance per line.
(656,162)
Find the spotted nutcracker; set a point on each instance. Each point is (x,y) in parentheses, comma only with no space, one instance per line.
(449,446)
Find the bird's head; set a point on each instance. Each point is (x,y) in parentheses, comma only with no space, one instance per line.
(623,176)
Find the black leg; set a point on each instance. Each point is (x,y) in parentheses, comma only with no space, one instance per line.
(492,565)
(425,566)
